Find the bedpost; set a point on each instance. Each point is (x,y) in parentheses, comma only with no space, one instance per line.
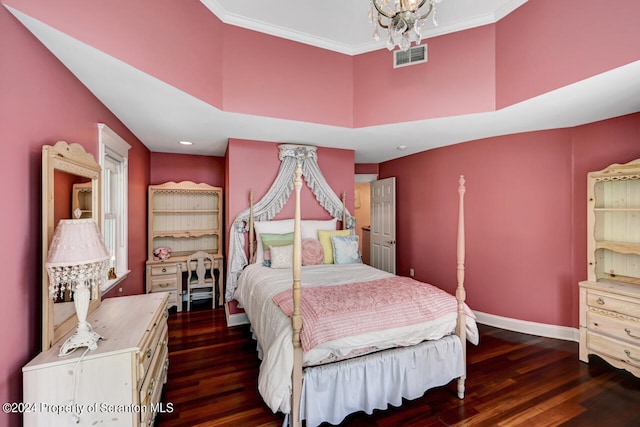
(344,211)
(461,330)
(251,231)
(296,317)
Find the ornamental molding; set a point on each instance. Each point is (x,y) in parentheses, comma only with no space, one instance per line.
(298,152)
(613,314)
(618,177)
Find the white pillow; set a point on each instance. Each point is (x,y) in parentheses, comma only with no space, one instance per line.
(281,256)
(309,228)
(278,227)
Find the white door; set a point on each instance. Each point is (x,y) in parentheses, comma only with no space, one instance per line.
(383,224)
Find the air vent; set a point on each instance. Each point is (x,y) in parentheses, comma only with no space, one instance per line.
(412,56)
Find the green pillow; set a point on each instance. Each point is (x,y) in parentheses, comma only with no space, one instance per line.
(269,239)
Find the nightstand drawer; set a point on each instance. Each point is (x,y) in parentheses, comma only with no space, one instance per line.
(616,325)
(164,269)
(606,302)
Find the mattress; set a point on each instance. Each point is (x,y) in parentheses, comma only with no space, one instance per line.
(257,285)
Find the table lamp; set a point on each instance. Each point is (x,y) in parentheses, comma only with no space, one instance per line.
(76,262)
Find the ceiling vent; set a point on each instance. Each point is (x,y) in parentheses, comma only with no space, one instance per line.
(412,56)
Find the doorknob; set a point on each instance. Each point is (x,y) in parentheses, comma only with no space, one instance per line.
(391,242)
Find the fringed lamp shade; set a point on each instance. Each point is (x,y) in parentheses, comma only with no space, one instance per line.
(77,261)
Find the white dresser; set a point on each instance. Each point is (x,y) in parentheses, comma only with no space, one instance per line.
(610,297)
(610,323)
(118,384)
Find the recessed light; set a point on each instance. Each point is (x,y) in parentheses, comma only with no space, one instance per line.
(401,147)
(186,143)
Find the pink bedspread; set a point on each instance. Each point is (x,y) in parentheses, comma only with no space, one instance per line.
(332,312)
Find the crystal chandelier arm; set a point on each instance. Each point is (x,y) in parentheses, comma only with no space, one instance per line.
(421,17)
(381,12)
(422,4)
(385,26)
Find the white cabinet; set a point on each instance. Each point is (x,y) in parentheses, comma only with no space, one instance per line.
(185,217)
(610,298)
(118,384)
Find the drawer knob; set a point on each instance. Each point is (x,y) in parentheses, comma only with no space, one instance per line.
(628,331)
(164,269)
(152,386)
(631,357)
(600,301)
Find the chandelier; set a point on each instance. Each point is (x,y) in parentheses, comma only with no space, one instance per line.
(404,20)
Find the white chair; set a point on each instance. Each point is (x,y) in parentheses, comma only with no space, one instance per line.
(200,278)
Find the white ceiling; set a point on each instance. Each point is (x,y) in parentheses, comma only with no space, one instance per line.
(349,32)
(160,114)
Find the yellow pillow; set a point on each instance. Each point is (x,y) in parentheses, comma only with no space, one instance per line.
(325,240)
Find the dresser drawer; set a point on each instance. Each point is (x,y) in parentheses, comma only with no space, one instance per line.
(159,270)
(628,354)
(164,283)
(151,389)
(606,301)
(155,339)
(616,325)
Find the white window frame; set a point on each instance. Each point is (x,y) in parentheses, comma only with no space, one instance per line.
(113,146)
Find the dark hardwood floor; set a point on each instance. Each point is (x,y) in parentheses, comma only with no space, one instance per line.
(513,380)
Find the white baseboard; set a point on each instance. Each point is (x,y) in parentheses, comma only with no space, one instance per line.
(532,328)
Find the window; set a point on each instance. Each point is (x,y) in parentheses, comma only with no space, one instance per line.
(114,156)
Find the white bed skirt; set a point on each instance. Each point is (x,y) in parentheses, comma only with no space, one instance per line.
(331,392)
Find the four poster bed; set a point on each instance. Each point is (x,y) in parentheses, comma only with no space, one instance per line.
(346,337)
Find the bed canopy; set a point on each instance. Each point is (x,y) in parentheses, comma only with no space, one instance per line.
(268,207)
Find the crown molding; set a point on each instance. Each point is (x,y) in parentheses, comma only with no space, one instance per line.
(324,43)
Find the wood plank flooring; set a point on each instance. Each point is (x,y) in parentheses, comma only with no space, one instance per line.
(513,380)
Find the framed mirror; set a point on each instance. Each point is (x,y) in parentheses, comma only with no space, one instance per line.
(70,182)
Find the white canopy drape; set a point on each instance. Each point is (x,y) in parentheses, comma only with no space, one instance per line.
(275,199)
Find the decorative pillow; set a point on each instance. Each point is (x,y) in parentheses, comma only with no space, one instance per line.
(312,253)
(325,240)
(279,227)
(309,228)
(346,250)
(273,240)
(281,256)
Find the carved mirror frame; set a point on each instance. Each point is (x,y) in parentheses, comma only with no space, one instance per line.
(74,160)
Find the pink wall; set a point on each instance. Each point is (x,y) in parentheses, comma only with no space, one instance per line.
(167,167)
(253,165)
(539,47)
(459,78)
(41,103)
(547,44)
(160,38)
(274,77)
(526,215)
